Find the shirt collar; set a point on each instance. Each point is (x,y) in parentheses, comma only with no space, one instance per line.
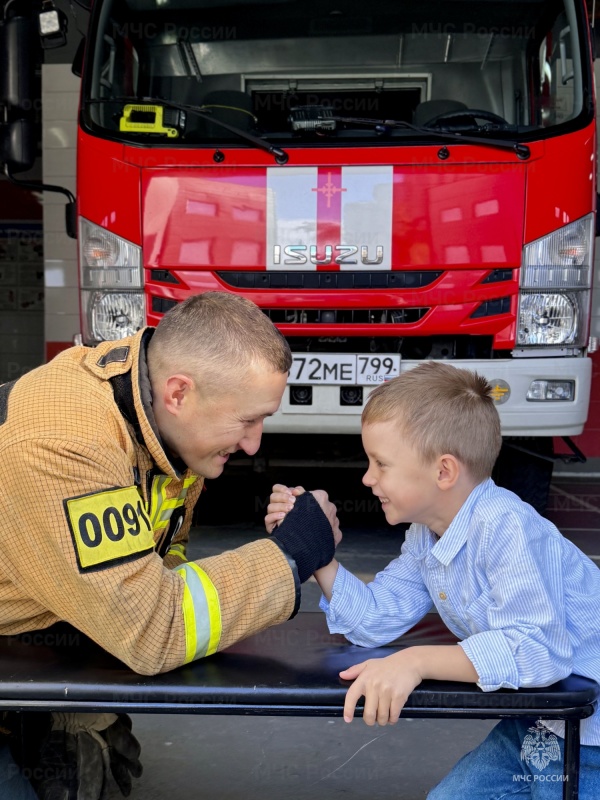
(455,536)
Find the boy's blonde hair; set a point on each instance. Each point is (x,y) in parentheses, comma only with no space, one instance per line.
(441,409)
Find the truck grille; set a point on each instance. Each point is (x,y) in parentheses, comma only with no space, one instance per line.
(346,316)
(329,316)
(328,280)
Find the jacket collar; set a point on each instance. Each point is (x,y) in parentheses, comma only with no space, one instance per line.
(124,364)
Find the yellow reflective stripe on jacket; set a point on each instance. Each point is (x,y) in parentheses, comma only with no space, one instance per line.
(162,507)
(177,550)
(201,612)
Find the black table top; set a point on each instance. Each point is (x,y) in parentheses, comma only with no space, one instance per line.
(289,669)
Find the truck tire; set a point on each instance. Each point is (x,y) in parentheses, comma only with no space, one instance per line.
(520,469)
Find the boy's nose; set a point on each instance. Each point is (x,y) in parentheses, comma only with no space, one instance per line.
(367,480)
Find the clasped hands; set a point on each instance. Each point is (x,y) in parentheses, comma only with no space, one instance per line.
(282,501)
(385,683)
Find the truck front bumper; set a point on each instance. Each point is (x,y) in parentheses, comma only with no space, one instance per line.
(511,379)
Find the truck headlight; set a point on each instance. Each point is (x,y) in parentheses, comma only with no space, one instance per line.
(555,287)
(111,273)
(549,319)
(115,315)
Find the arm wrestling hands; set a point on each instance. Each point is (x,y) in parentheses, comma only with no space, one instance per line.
(309,535)
(283,499)
(385,683)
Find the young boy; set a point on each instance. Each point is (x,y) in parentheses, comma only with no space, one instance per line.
(523,600)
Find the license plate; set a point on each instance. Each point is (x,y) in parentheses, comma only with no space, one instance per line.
(341,368)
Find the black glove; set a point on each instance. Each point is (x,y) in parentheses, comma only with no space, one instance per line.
(305,534)
(79,753)
(124,751)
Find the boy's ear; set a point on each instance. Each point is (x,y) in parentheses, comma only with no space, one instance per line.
(448,471)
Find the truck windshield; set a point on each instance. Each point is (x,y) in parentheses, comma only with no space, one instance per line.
(295,72)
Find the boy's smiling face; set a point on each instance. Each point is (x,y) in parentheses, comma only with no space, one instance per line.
(408,489)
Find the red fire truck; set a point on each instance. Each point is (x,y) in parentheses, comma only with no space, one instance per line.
(389,182)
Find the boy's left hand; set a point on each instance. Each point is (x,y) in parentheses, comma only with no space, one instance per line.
(385,683)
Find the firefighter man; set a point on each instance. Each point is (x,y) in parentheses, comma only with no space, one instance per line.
(104,454)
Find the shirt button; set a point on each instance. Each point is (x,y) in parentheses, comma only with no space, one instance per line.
(443,596)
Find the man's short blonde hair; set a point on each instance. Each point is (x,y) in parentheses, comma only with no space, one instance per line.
(441,409)
(216,337)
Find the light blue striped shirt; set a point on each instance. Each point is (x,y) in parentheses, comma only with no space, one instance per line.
(523,600)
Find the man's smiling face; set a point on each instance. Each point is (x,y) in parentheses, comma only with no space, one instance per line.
(206,430)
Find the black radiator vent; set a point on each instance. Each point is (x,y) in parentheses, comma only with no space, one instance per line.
(162,304)
(163,276)
(492,307)
(499,275)
(356,316)
(247,279)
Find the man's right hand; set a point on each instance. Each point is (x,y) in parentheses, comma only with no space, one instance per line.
(282,502)
(306,533)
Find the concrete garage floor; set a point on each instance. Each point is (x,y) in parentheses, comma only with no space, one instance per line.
(259,758)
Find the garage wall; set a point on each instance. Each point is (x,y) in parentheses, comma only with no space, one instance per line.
(21,279)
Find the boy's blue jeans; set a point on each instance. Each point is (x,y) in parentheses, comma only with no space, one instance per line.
(13,785)
(507,764)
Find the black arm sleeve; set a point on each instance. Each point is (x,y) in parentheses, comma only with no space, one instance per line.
(305,534)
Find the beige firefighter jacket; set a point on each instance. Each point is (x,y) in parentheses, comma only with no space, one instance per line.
(96,518)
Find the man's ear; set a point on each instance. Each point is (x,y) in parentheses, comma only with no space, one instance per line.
(448,471)
(177,390)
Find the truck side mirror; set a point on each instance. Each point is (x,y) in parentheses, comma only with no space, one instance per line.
(17,64)
(18,145)
(77,65)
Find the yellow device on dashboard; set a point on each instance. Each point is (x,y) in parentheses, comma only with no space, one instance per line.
(149,119)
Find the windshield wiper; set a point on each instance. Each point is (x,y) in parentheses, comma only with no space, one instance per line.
(383,125)
(280,156)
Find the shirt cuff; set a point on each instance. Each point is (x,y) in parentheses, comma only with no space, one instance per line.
(493,660)
(349,598)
